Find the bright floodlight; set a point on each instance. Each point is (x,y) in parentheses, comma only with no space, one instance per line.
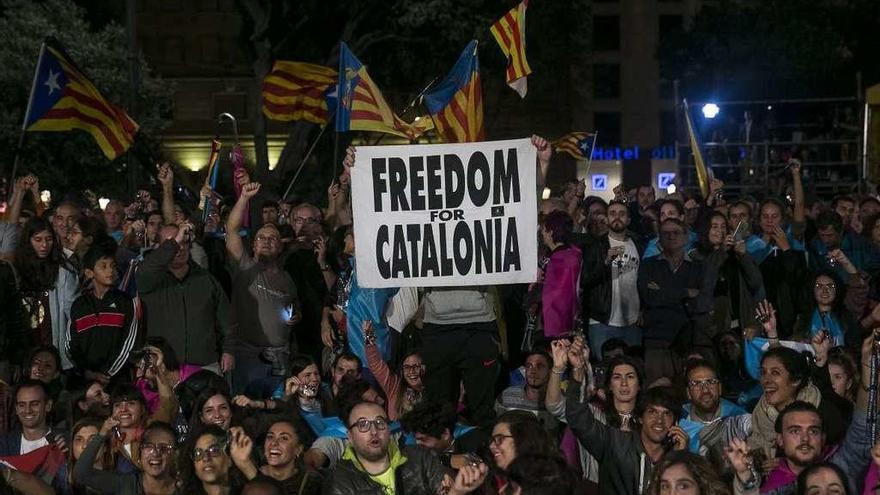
(710,110)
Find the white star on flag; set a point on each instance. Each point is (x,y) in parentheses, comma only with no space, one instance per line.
(52,81)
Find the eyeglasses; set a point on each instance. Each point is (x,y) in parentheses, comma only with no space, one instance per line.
(828,287)
(499,438)
(211,452)
(267,238)
(411,367)
(710,382)
(160,448)
(363,425)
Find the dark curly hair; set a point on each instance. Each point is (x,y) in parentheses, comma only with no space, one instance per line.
(190,483)
(430,418)
(529,437)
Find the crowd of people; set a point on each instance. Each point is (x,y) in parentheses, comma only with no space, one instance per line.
(688,345)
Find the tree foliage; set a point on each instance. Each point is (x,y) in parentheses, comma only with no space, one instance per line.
(746,48)
(72,160)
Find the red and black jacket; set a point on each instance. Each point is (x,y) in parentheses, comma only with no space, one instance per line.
(102,332)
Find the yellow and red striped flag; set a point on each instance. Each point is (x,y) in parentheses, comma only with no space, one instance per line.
(510,33)
(299,91)
(456,104)
(63,99)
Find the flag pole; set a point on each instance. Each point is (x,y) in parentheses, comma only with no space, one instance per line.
(411,105)
(309,154)
(593,147)
(27,116)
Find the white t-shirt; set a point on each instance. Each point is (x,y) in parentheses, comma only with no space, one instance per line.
(624,288)
(28,446)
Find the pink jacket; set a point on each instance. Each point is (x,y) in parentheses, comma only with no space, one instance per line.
(389,381)
(560,296)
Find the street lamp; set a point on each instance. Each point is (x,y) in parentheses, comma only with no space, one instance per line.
(710,110)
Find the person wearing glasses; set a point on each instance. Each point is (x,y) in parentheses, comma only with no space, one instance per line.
(515,433)
(374,464)
(264,300)
(206,465)
(710,420)
(155,475)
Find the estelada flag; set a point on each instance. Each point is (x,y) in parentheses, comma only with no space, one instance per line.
(63,99)
(360,105)
(456,103)
(577,144)
(510,33)
(702,172)
(299,91)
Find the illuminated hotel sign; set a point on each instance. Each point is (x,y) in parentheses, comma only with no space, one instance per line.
(666,152)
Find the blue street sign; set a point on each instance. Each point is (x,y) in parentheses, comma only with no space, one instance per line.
(600,182)
(665,179)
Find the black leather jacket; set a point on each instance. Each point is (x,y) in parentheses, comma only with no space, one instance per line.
(596,278)
(421,474)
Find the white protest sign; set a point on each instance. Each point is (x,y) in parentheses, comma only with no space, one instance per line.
(445,214)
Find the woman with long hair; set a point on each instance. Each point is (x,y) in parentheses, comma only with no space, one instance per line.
(515,433)
(785,378)
(155,474)
(81,434)
(212,406)
(405,388)
(207,467)
(828,311)
(48,284)
(283,447)
(681,472)
(732,281)
(615,406)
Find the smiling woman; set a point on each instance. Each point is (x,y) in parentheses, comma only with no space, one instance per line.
(206,464)
(683,473)
(155,475)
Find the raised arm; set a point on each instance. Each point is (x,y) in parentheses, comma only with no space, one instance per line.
(233,224)
(545,151)
(84,471)
(166,178)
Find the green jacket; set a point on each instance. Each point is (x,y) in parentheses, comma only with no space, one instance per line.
(192,314)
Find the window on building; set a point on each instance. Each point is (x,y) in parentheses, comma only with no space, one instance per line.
(210,48)
(234,103)
(606,32)
(608,126)
(670,25)
(666,88)
(667,127)
(606,80)
(172,5)
(173,52)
